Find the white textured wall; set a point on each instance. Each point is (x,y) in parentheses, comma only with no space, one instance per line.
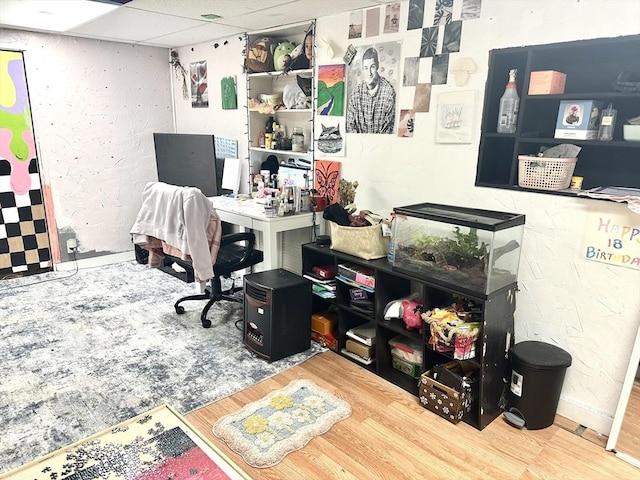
(224,58)
(590,309)
(95,105)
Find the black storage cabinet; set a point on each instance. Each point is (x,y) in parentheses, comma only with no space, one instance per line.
(537,375)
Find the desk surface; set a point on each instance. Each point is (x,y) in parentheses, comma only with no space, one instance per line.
(250,208)
(249,214)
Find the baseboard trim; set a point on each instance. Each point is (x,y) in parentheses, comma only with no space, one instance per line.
(92,262)
(584,416)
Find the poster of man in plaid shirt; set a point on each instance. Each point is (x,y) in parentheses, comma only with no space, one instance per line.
(372,97)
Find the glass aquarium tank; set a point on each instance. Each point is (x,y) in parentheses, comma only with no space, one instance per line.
(477,251)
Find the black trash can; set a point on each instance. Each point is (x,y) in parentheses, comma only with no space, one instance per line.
(537,375)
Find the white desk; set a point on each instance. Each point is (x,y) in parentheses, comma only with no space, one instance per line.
(249,214)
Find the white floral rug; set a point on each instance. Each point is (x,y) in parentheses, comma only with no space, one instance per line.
(264,432)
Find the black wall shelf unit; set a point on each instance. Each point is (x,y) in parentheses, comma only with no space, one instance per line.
(592,68)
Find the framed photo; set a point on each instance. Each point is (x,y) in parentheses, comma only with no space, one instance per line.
(455,119)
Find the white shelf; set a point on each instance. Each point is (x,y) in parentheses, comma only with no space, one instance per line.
(291,153)
(286,111)
(276,73)
(277,82)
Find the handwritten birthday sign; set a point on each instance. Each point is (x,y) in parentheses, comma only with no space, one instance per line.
(613,238)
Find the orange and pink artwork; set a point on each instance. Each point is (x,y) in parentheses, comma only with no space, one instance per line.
(327,179)
(331,89)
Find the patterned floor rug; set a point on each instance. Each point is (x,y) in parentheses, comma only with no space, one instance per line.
(81,352)
(264,432)
(158,444)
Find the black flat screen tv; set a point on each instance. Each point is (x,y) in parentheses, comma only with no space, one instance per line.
(187,160)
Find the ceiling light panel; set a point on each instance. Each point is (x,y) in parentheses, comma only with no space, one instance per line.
(57,16)
(195,8)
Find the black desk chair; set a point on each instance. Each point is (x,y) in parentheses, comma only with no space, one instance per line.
(237,252)
(183,217)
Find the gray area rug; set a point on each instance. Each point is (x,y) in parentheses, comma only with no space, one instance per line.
(81,353)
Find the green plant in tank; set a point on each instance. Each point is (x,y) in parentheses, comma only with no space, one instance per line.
(429,247)
(464,249)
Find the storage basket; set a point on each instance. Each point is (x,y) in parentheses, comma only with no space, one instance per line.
(545,173)
(364,242)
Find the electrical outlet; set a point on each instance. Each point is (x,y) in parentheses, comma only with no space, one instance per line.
(72,245)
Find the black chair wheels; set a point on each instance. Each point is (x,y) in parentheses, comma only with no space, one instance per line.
(179,309)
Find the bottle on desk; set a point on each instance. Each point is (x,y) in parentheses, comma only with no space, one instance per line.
(281,208)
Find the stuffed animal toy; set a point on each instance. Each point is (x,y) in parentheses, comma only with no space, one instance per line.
(282,55)
(260,55)
(412,309)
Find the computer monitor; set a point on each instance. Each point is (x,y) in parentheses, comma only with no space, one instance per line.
(187,160)
(299,176)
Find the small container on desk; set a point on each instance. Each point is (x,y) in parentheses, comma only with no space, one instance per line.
(466,249)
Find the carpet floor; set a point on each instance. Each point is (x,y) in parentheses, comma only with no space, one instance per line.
(82,352)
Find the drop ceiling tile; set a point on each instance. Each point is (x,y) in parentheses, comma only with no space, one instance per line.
(201,34)
(136,25)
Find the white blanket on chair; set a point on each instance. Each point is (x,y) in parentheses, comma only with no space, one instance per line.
(180,217)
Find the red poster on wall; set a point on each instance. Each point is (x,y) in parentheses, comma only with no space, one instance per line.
(327,179)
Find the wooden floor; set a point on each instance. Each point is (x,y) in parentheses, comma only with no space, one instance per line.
(391,436)
(629,437)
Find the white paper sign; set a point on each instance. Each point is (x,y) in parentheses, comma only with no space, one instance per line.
(613,238)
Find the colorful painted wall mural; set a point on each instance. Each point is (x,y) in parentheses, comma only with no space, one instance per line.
(24,242)
(16,134)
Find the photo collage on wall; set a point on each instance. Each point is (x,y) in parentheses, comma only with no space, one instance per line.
(343,106)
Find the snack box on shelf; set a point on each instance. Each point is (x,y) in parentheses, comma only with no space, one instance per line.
(356,273)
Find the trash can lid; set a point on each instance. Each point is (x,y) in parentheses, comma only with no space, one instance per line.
(540,355)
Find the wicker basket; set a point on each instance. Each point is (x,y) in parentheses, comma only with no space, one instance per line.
(545,173)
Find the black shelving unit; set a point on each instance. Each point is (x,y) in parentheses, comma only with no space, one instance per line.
(497,311)
(592,68)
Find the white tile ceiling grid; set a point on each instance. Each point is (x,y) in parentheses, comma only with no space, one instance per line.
(176,23)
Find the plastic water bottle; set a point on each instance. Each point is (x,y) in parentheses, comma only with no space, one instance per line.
(391,250)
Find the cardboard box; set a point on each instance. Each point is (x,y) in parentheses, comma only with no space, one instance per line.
(325,340)
(578,119)
(360,349)
(546,82)
(365,333)
(446,401)
(323,322)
